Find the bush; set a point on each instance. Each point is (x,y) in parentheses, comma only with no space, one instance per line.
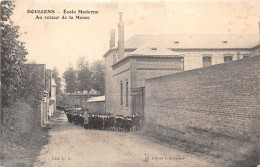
(18,119)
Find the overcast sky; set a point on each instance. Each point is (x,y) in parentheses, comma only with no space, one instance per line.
(60,42)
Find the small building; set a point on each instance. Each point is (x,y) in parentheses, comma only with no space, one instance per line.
(96,104)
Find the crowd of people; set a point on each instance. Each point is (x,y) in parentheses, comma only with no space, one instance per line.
(103,121)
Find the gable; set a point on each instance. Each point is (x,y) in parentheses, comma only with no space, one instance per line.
(150,49)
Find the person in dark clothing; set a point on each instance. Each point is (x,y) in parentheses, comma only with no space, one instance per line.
(86,119)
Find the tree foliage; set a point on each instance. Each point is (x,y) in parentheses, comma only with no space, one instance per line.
(87,77)
(98,76)
(70,76)
(84,75)
(33,83)
(57,79)
(13,54)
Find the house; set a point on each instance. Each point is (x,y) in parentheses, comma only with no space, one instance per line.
(142,57)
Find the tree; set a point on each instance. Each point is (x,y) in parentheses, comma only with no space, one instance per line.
(70,76)
(13,54)
(98,76)
(33,83)
(84,75)
(57,79)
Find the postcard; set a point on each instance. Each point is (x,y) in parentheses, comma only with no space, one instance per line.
(130,83)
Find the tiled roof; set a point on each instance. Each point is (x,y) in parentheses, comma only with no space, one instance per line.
(151,48)
(222,41)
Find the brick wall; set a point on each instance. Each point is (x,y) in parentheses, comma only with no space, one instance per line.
(150,67)
(109,82)
(121,73)
(217,106)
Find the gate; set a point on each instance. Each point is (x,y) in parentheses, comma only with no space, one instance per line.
(138,102)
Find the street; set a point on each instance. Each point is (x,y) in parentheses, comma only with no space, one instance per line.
(71,145)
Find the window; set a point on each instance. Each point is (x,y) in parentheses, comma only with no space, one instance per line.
(246,56)
(228,58)
(154,48)
(121,93)
(224,41)
(126,93)
(207,61)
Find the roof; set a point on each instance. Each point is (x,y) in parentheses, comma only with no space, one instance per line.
(97,99)
(206,41)
(152,48)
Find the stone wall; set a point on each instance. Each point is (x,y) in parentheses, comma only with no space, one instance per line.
(217,106)
(151,67)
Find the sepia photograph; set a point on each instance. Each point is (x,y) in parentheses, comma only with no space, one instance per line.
(130,83)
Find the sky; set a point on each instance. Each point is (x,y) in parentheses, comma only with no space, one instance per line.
(60,42)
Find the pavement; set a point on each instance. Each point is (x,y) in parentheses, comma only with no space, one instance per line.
(70,145)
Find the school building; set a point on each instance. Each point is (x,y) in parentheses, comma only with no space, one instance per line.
(142,57)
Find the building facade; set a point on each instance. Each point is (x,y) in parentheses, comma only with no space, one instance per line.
(142,57)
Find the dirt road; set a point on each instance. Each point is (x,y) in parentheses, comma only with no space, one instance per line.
(71,146)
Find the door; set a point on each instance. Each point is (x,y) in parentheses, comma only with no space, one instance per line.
(138,102)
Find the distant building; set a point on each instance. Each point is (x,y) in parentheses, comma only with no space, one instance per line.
(142,57)
(96,104)
(79,99)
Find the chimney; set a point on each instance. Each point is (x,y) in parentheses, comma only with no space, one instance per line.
(120,37)
(114,57)
(112,38)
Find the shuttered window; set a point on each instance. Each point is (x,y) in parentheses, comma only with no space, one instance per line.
(126,94)
(228,58)
(207,61)
(121,93)
(246,55)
